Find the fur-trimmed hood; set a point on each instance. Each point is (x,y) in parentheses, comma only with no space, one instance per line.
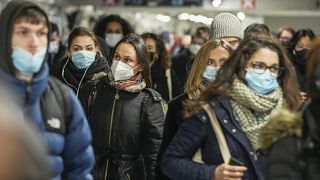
(282,123)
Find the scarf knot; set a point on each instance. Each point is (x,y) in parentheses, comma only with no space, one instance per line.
(134,84)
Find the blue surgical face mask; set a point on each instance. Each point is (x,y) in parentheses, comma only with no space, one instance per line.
(210,73)
(83,59)
(263,83)
(27,63)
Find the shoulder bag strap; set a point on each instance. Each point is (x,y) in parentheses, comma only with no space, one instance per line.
(218,132)
(169,82)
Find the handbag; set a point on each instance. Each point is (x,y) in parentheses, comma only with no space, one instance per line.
(220,137)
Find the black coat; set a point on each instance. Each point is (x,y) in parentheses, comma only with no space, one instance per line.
(127,132)
(55,59)
(71,76)
(293,158)
(160,83)
(181,64)
(171,126)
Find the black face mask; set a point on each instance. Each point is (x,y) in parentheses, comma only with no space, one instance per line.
(300,60)
(301,56)
(152,56)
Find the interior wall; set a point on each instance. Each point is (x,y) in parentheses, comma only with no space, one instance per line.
(275,23)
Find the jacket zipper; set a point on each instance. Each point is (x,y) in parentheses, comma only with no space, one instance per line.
(116,97)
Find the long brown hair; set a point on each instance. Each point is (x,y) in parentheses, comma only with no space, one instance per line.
(200,63)
(162,52)
(235,68)
(142,54)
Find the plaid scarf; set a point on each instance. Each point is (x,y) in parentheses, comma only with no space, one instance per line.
(134,84)
(253,109)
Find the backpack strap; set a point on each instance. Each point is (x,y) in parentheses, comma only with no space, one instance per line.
(56,106)
(158,98)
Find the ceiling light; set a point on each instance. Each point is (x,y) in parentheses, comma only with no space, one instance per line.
(241,16)
(216,3)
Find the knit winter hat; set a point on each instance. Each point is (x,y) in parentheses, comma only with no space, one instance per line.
(226,25)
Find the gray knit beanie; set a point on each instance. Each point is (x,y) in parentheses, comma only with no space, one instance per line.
(226,25)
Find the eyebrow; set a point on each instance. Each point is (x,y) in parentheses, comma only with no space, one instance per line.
(81,46)
(26,28)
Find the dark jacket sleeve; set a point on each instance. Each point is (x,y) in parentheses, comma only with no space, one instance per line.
(153,120)
(283,162)
(176,84)
(78,153)
(170,128)
(177,160)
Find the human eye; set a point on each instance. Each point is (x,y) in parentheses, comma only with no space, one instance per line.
(116,57)
(274,69)
(41,33)
(22,32)
(127,60)
(89,48)
(222,61)
(259,65)
(210,62)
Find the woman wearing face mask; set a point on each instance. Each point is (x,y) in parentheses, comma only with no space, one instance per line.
(181,62)
(257,79)
(82,62)
(112,28)
(126,116)
(164,79)
(207,62)
(299,47)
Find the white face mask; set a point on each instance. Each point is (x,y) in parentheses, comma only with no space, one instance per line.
(53,47)
(194,48)
(113,38)
(121,71)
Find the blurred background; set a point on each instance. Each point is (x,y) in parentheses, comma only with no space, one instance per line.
(182,16)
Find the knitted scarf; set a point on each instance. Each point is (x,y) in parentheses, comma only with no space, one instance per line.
(72,75)
(253,109)
(135,84)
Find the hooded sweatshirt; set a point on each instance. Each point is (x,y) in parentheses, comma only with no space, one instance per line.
(70,154)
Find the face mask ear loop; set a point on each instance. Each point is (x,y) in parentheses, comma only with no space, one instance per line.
(81,81)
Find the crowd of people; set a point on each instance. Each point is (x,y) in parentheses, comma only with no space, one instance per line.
(115,105)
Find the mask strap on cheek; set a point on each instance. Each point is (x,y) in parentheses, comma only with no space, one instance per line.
(136,71)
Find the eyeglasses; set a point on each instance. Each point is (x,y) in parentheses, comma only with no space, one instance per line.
(261,67)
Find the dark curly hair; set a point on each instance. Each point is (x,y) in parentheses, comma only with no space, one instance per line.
(100,27)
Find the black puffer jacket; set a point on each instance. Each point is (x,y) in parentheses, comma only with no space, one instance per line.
(172,122)
(127,132)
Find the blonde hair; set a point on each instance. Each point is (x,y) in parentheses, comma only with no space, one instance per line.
(200,63)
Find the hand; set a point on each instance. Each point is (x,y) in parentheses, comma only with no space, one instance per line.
(228,172)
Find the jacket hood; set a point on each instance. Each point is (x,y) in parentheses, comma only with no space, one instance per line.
(7,19)
(282,123)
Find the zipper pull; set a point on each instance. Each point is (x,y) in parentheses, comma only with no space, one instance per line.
(117,95)
(255,156)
